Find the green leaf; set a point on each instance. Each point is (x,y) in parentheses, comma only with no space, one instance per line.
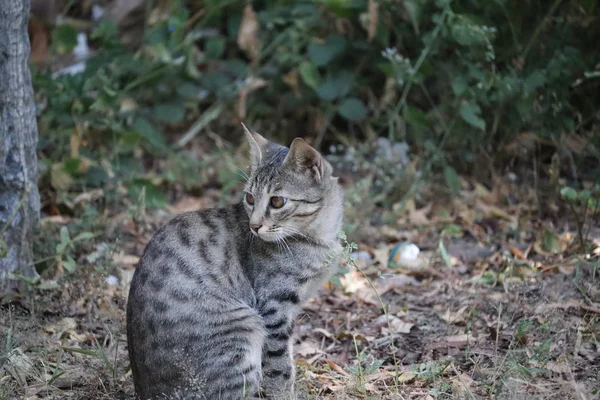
(322,54)
(584,195)
(145,129)
(83,236)
(64,235)
(416,118)
(471,113)
(64,39)
(96,176)
(459,85)
(69,264)
(168,113)
(444,254)
(452,179)
(414,9)
(353,109)
(568,193)
(309,74)
(551,242)
(453,230)
(336,86)
(534,81)
(466,33)
(154,197)
(215,47)
(72,165)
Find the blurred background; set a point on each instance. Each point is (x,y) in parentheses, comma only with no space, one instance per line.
(466,134)
(149,95)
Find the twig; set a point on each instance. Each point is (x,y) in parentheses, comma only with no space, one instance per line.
(209,115)
(539,28)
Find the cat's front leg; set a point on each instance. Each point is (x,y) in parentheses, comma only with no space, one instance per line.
(278,362)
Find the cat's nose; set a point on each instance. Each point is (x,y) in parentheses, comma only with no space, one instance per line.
(255,227)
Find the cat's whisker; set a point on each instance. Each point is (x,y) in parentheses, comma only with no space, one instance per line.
(287,246)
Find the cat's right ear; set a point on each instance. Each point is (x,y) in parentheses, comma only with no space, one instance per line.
(257,143)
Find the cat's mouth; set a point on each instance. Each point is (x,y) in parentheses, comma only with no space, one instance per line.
(269,234)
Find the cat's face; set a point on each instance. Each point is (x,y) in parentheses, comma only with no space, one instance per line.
(287,189)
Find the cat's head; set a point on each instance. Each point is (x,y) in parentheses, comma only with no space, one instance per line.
(291,192)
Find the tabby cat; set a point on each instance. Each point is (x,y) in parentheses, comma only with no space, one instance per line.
(212,303)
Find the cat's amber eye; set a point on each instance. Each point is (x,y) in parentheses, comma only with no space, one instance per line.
(249,199)
(278,201)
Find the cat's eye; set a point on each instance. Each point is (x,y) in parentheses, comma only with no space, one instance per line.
(249,199)
(277,201)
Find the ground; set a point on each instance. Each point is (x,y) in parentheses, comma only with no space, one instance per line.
(498,304)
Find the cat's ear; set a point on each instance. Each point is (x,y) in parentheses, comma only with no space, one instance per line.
(258,144)
(303,158)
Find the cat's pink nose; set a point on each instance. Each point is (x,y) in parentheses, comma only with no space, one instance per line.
(255,227)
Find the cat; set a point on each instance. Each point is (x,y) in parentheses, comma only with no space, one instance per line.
(212,303)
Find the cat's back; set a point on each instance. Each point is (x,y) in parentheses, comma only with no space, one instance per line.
(188,278)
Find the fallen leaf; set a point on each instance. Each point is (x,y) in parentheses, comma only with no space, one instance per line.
(455,317)
(126,259)
(337,368)
(248,34)
(60,327)
(395,282)
(39,38)
(407,377)
(19,365)
(120,9)
(250,85)
(373,15)
(59,178)
(458,341)
(462,384)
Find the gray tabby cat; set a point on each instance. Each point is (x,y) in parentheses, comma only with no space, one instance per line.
(212,303)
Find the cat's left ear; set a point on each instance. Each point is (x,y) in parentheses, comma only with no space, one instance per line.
(258,144)
(303,158)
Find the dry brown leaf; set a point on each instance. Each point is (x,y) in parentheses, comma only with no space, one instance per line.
(458,341)
(353,281)
(337,368)
(396,324)
(250,85)
(55,219)
(462,384)
(120,9)
(291,78)
(60,327)
(395,282)
(419,217)
(455,317)
(306,349)
(381,255)
(89,196)
(60,179)
(373,15)
(39,38)
(126,259)
(248,34)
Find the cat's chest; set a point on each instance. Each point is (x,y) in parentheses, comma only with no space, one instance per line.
(301,270)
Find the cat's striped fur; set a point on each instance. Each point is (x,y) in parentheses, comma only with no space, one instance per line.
(212,303)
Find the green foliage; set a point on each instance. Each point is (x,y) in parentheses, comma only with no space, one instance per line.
(470,73)
(584,205)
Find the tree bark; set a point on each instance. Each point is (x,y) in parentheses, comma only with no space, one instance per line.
(19,197)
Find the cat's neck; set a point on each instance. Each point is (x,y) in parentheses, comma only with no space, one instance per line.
(327,226)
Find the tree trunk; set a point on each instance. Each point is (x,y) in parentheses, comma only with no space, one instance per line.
(19,197)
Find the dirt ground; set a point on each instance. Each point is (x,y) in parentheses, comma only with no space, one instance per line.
(480,314)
